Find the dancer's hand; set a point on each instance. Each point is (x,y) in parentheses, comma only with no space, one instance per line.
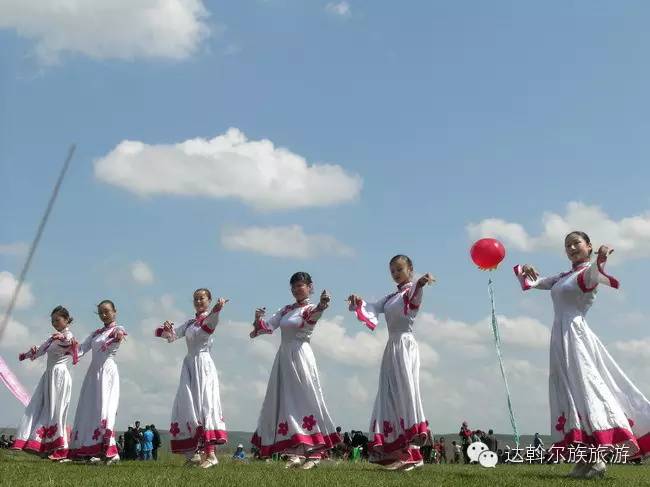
(119,335)
(425,280)
(603,252)
(354,300)
(530,272)
(32,351)
(259,313)
(168,326)
(220,304)
(324,300)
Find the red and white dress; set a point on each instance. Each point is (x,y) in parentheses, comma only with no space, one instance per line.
(398,426)
(294,419)
(93,433)
(197,417)
(43,428)
(592,401)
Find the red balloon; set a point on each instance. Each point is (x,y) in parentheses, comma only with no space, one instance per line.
(487,253)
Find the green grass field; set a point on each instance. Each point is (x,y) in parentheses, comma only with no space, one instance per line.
(20,469)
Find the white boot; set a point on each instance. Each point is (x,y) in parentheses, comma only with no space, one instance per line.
(210,461)
(293,461)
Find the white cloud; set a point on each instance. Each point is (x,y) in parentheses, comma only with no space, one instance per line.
(8,284)
(141,272)
(227,166)
(15,249)
(635,349)
(361,349)
(16,337)
(473,339)
(342,9)
(108,29)
(356,390)
(284,241)
(630,236)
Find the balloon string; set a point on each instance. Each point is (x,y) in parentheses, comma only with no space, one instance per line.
(497,342)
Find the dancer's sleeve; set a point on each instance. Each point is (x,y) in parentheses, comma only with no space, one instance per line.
(114,340)
(211,321)
(414,300)
(174,334)
(39,351)
(368,313)
(595,274)
(85,347)
(266,327)
(544,283)
(311,314)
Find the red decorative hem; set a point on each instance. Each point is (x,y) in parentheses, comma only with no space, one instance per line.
(214,437)
(59,454)
(610,437)
(411,456)
(38,447)
(317,441)
(99,449)
(402,441)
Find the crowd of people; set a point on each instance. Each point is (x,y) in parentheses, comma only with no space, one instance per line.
(139,443)
(6,442)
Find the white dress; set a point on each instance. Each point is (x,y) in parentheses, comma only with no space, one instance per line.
(197,417)
(294,418)
(43,428)
(93,433)
(592,401)
(397,425)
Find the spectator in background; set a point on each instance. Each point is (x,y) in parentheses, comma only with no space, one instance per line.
(537,442)
(465,439)
(458,451)
(147,443)
(427,447)
(11,441)
(239,453)
(156,442)
(3,441)
(476,436)
(120,446)
(491,441)
(443,450)
(138,438)
(129,444)
(340,448)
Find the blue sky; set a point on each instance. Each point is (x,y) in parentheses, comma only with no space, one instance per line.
(460,119)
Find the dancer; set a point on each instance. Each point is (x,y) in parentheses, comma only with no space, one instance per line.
(397,425)
(294,420)
(93,433)
(593,403)
(43,428)
(197,418)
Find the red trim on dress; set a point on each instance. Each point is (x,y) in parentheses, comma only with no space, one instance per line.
(402,441)
(613,282)
(216,437)
(317,440)
(613,436)
(583,285)
(98,449)
(37,446)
